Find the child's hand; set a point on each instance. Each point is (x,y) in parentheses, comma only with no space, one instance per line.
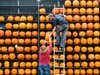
(50,40)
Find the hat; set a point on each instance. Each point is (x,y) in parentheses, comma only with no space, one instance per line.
(43,49)
(51,15)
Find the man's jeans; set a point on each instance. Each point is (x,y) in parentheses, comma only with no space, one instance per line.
(63,29)
(44,69)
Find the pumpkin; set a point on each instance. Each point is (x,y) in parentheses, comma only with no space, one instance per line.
(97,64)
(34,33)
(22,33)
(6,64)
(77,25)
(82,11)
(83,18)
(83,57)
(15,26)
(75,11)
(28,34)
(35,26)
(83,49)
(27,49)
(1,72)
(28,64)
(90,49)
(22,25)
(27,71)
(34,64)
(84,64)
(75,34)
(12,56)
(10,49)
(96,40)
(20,49)
(76,41)
(17,18)
(55,11)
(47,18)
(14,71)
(48,26)
(69,48)
(75,3)
(1,41)
(82,3)
(84,26)
(72,26)
(76,64)
(63,72)
(23,18)
(7,41)
(4,49)
(22,64)
(96,10)
(27,41)
(82,33)
(34,48)
(89,71)
(42,11)
(8,33)
(89,11)
(89,33)
(42,34)
(96,26)
(90,25)
(67,3)
(42,18)
(82,72)
(89,3)
(15,33)
(42,26)
(76,71)
(96,18)
(70,41)
(57,71)
(20,41)
(69,18)
(1,56)
(34,71)
(70,71)
(42,41)
(83,41)
(10,18)
(90,18)
(68,34)
(96,71)
(34,56)
(89,41)
(34,41)
(69,11)
(20,56)
(76,57)
(77,48)
(76,18)
(97,56)
(91,64)
(9,26)
(14,41)
(30,18)
(29,25)
(5,57)
(7,71)
(1,33)
(21,71)
(2,18)
(97,49)
(69,57)
(95,3)
(91,56)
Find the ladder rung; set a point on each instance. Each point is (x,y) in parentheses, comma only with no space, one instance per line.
(59,66)
(59,59)
(59,74)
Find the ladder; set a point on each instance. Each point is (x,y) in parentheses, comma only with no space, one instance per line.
(60,60)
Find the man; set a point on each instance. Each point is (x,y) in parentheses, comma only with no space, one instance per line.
(44,60)
(60,25)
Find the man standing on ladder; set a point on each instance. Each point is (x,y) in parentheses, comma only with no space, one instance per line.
(60,25)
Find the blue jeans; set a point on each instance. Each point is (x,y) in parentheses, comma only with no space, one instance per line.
(62,29)
(44,69)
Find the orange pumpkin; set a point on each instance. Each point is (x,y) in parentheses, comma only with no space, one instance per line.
(35,25)
(1,41)
(69,11)
(89,11)
(82,11)
(96,71)
(90,18)
(84,25)
(22,64)
(22,34)
(89,41)
(76,18)
(75,34)
(27,49)
(34,64)
(91,64)
(28,57)
(69,18)
(89,71)
(17,18)
(34,48)
(91,56)
(57,71)
(70,41)
(42,34)
(15,33)
(28,34)
(7,71)
(90,49)
(97,49)
(90,25)
(89,33)
(10,18)
(67,3)
(27,71)
(76,41)
(96,26)
(35,33)
(69,64)
(34,71)
(69,48)
(8,25)
(14,71)
(4,49)
(42,18)
(96,33)
(34,41)
(12,56)
(42,10)
(42,26)
(76,64)
(82,3)
(75,11)
(70,71)
(69,57)
(82,72)
(82,33)
(20,41)
(83,41)
(83,18)
(1,33)
(10,49)
(96,10)
(14,41)
(95,3)
(22,25)
(75,3)
(34,56)
(30,18)
(77,48)
(47,18)
(96,18)
(42,41)
(97,64)
(7,41)
(76,57)
(96,40)
(23,18)
(97,56)
(48,26)
(68,34)
(5,57)
(8,33)
(21,71)
(27,41)
(20,56)
(72,26)
(76,71)
(84,64)
(89,3)
(84,49)
(15,26)
(29,25)
(83,57)
(77,25)
(2,18)
(20,49)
